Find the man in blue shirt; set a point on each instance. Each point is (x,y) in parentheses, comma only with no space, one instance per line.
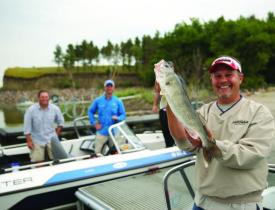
(110,110)
(39,126)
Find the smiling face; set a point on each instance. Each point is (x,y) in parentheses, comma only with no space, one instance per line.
(43,99)
(226,84)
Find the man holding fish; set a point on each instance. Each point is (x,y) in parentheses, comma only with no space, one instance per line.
(232,137)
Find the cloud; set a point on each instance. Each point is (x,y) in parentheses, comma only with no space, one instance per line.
(31,29)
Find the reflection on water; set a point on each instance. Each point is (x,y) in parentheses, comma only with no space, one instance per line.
(2,119)
(10,116)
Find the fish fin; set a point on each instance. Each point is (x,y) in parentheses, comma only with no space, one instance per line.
(182,81)
(212,152)
(192,133)
(184,87)
(217,153)
(208,132)
(163,102)
(203,121)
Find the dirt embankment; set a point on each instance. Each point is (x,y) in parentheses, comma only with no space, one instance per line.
(88,86)
(266,97)
(17,96)
(61,81)
(136,105)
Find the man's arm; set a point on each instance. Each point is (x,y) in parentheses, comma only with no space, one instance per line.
(180,135)
(59,117)
(58,130)
(29,141)
(91,111)
(254,146)
(121,111)
(59,121)
(155,107)
(28,128)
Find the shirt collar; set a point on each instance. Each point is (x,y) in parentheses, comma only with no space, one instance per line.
(40,108)
(107,98)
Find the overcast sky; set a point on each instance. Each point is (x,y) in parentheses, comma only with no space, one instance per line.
(30,29)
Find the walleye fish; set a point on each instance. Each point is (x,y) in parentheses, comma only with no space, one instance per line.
(174,93)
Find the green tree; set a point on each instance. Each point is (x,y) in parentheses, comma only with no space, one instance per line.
(84,51)
(68,63)
(58,55)
(107,51)
(192,47)
(92,53)
(137,53)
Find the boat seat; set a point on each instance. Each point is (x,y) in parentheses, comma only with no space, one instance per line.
(58,150)
(88,145)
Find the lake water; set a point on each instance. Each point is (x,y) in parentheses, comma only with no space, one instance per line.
(12,116)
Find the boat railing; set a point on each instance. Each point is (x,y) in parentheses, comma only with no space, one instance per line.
(43,164)
(124,139)
(13,146)
(268,194)
(4,149)
(85,123)
(271,167)
(181,169)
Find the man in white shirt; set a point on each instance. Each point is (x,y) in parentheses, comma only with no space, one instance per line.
(39,126)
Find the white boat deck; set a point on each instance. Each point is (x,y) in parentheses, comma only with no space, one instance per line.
(147,191)
(144,191)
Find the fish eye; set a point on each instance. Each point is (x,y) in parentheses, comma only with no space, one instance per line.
(170,63)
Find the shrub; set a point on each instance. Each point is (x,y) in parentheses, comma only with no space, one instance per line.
(253,83)
(65,83)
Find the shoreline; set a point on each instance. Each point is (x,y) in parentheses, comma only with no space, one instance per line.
(12,97)
(266,98)
(8,97)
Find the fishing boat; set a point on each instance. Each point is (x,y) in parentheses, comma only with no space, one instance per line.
(52,184)
(169,188)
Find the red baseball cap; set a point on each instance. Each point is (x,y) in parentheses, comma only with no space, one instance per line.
(233,63)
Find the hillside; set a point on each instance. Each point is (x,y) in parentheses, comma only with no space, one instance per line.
(53,77)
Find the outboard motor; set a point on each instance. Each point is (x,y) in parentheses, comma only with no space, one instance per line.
(58,150)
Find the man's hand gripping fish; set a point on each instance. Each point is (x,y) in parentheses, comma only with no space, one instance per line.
(174,93)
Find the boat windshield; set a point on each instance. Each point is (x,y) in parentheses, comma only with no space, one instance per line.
(124,139)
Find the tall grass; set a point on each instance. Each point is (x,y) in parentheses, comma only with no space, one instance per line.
(145,93)
(33,72)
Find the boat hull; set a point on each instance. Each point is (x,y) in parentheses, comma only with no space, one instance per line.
(55,185)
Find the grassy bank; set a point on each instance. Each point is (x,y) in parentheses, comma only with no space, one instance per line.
(33,72)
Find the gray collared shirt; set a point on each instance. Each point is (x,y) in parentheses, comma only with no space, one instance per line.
(40,123)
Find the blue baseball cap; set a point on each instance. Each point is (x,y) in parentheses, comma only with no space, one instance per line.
(109,82)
